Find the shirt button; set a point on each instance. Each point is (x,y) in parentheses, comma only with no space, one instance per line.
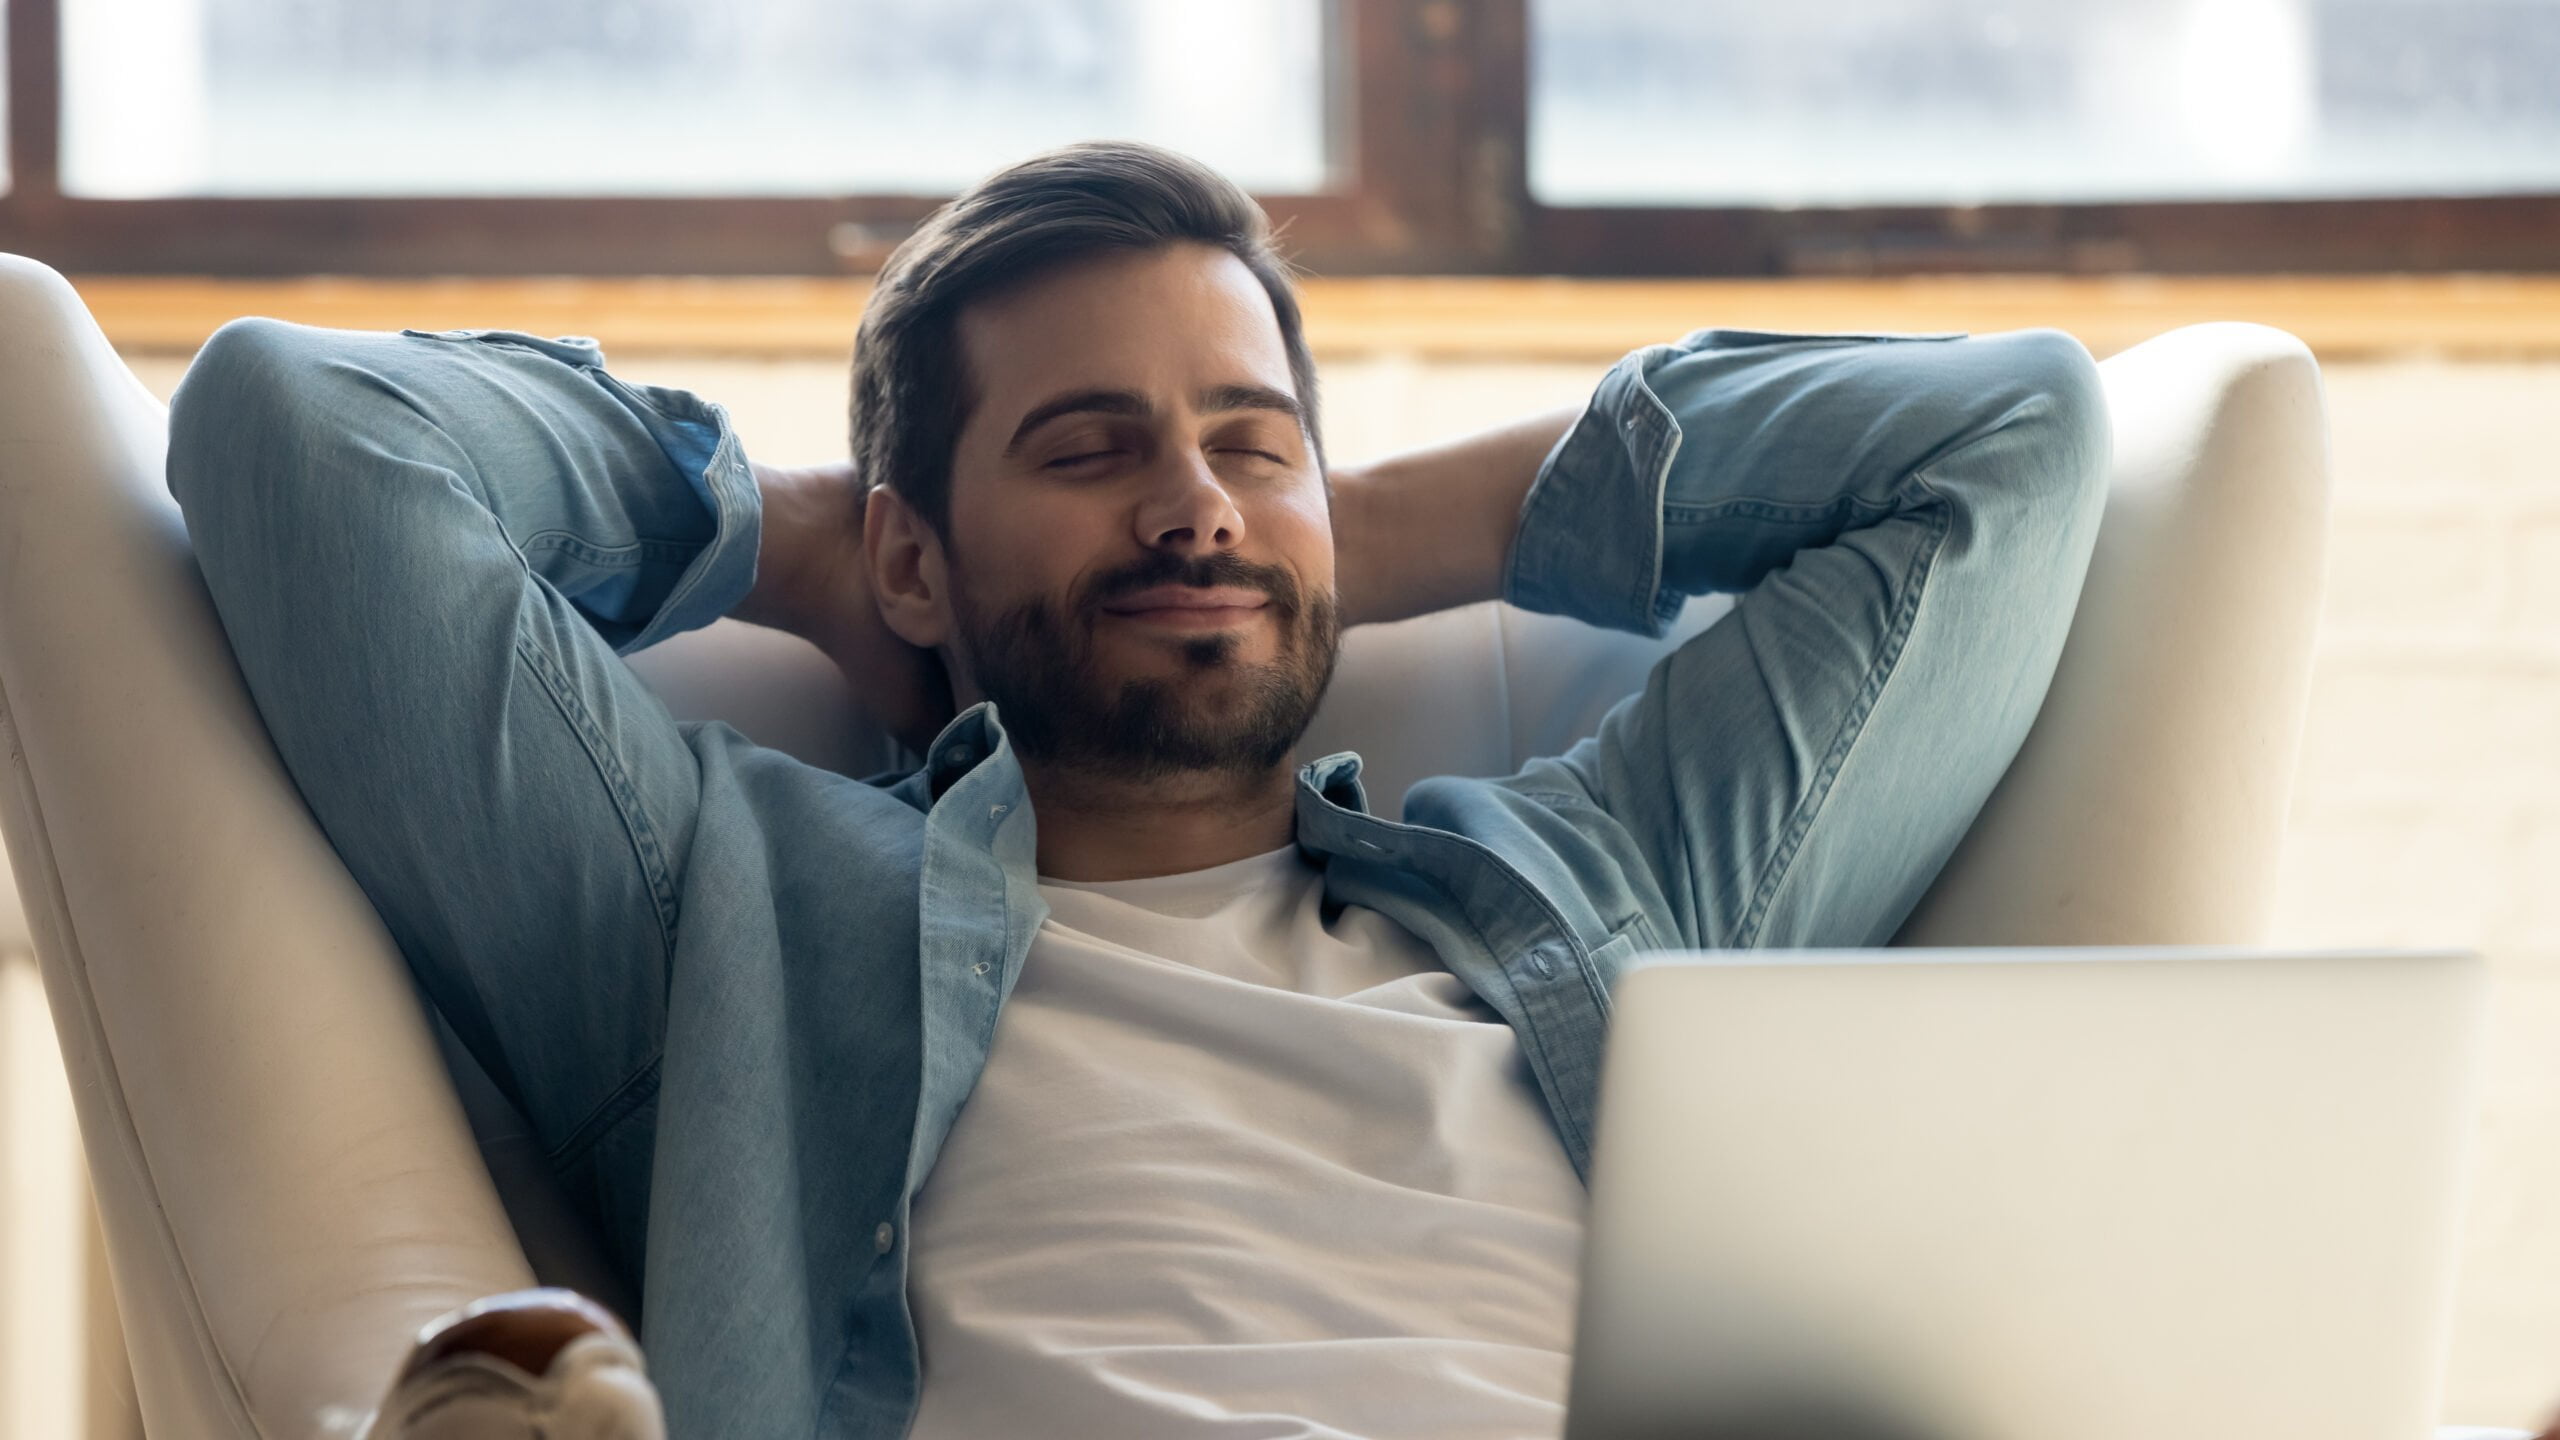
(961,755)
(884,1237)
(978,969)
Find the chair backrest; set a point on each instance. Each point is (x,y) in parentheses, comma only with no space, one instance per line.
(288,1185)
(2147,803)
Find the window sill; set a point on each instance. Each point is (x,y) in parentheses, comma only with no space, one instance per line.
(2469,316)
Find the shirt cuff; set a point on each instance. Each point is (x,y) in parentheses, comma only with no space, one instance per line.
(715,464)
(1590,539)
(702,447)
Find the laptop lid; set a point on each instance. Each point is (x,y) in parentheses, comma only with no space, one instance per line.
(2014,1194)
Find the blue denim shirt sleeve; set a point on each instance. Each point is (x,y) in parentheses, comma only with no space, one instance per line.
(1591,530)
(642,558)
(1598,539)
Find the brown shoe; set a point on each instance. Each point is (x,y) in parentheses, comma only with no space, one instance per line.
(527,1365)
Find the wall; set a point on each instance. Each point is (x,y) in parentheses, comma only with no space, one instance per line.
(2428,807)
(2428,810)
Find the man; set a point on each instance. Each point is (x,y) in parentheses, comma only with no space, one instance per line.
(1110,1074)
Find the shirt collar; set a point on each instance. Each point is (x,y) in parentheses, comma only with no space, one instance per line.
(1335,780)
(968,741)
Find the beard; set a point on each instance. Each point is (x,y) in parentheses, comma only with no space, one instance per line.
(1219,715)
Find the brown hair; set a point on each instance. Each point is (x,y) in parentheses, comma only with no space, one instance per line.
(911,390)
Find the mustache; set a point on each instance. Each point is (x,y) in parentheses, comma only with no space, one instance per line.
(1198,572)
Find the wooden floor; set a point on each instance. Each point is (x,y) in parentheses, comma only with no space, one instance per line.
(2469,316)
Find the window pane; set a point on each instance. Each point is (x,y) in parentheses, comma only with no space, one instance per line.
(767,97)
(1864,102)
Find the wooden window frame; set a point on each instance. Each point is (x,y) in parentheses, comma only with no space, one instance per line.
(1429,107)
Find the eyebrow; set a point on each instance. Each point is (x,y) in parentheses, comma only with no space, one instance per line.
(1216,399)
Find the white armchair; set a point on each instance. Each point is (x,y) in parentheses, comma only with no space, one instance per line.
(289,1183)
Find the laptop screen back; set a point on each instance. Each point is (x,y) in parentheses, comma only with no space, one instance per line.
(2009,1195)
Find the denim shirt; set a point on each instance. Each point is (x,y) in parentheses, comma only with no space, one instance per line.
(742,1000)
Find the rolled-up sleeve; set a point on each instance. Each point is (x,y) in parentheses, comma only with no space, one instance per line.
(1609,533)
(1590,541)
(586,497)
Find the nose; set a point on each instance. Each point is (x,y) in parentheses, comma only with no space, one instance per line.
(1188,510)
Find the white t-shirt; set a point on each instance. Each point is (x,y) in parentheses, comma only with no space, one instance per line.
(1235,1171)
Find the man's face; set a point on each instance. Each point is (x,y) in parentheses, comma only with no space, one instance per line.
(1140,547)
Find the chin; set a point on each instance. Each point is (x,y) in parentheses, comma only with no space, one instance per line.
(1254,644)
(1097,695)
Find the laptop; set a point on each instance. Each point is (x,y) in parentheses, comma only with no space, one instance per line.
(2140,1194)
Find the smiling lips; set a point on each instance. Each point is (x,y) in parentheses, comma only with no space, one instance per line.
(1190,607)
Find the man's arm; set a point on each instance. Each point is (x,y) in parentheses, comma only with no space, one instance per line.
(812,581)
(1906,521)
(1432,529)
(425,551)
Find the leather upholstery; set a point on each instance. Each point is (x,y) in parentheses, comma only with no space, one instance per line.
(289,1185)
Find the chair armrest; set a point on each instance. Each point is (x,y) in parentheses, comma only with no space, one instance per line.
(2147,806)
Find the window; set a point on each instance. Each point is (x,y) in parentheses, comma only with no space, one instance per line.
(1474,136)
(670,97)
(1924,102)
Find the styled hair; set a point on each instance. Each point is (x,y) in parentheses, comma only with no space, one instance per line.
(912,392)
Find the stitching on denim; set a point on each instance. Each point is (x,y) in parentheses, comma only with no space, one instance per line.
(1582,1139)
(642,550)
(1852,726)
(1563,797)
(1588,964)
(1663,437)
(987,1033)
(1623,403)
(1556,922)
(828,1407)
(1762,508)
(647,849)
(1755,508)
(1566,800)
(638,1090)
(668,403)
(1591,969)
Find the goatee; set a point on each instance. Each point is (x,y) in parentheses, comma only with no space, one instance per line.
(1039,668)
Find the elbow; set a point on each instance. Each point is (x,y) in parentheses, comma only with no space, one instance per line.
(2081,427)
(237,399)
(256,432)
(242,366)
(2057,405)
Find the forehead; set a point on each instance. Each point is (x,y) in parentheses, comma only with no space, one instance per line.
(1169,322)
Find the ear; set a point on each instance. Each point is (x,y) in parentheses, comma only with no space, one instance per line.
(910,576)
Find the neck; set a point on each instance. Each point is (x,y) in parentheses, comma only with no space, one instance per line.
(1097,827)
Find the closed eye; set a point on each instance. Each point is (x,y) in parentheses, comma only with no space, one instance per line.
(1064,461)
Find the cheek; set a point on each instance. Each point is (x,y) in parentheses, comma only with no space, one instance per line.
(1300,528)
(1026,546)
